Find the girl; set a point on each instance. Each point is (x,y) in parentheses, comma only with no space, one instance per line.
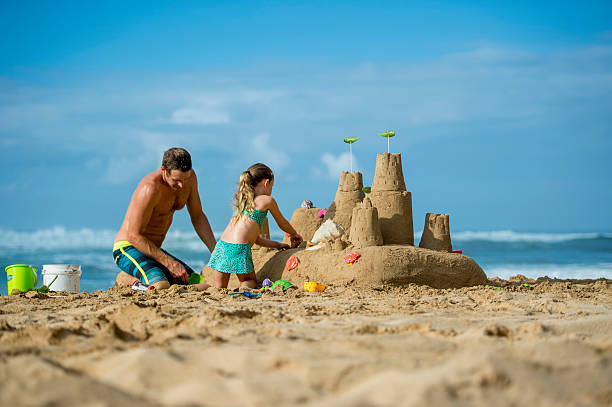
(252,201)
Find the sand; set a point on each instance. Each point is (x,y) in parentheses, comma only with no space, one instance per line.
(549,344)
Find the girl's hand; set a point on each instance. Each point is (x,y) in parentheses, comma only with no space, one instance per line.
(296,240)
(283,246)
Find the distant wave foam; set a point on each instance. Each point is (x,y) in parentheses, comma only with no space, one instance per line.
(59,237)
(511,236)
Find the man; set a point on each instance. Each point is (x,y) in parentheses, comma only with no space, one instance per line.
(137,250)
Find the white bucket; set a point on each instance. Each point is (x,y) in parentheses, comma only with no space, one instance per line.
(68,277)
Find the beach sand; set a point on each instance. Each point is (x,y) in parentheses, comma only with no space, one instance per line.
(549,344)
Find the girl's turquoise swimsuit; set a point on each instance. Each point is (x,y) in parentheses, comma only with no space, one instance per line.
(236,257)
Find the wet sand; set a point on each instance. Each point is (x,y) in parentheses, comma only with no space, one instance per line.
(549,344)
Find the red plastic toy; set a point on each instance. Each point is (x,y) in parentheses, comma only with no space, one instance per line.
(292,263)
(351,258)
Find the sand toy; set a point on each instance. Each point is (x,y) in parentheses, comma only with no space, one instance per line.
(292,263)
(313,287)
(195,278)
(21,277)
(351,258)
(246,294)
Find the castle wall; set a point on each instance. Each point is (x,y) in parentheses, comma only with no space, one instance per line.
(394,216)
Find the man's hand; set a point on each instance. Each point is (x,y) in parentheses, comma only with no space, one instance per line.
(282,246)
(177,270)
(296,240)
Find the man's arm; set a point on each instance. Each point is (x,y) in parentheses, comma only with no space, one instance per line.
(144,201)
(198,219)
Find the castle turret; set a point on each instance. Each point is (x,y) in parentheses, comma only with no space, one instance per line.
(393,202)
(436,233)
(365,230)
(349,194)
(305,221)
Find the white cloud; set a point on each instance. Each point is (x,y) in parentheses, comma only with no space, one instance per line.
(202,115)
(262,150)
(336,164)
(125,167)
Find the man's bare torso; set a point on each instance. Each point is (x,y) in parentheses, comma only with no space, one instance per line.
(170,200)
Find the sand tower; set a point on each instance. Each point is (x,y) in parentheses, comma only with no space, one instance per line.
(436,233)
(305,221)
(365,230)
(393,202)
(349,194)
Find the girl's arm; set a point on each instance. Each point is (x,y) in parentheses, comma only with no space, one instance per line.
(282,223)
(262,241)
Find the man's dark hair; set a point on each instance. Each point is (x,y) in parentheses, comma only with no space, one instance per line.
(176,159)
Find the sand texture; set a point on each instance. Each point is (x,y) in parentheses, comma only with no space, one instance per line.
(549,344)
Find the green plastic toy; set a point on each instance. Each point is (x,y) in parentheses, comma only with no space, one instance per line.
(195,278)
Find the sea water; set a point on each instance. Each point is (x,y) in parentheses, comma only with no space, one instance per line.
(499,253)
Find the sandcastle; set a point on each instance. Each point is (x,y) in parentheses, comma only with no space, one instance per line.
(348,196)
(393,202)
(305,221)
(436,233)
(365,228)
(380,228)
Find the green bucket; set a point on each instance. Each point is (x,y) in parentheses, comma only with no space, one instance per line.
(21,277)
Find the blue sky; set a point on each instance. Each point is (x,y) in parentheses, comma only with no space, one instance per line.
(502,112)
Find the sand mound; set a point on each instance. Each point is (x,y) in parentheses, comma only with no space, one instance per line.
(378,265)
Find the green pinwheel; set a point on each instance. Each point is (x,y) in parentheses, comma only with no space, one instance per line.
(388,134)
(350,141)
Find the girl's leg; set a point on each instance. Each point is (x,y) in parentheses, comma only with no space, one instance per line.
(247,280)
(220,279)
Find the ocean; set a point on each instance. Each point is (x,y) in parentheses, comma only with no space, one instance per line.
(500,253)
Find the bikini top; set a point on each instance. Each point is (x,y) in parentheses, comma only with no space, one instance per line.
(258,216)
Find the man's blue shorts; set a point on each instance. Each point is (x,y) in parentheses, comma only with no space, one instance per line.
(135,263)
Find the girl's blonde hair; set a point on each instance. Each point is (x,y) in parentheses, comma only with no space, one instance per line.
(244,198)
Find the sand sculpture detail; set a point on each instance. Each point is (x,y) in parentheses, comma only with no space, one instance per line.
(393,202)
(365,230)
(305,221)
(348,196)
(380,229)
(436,233)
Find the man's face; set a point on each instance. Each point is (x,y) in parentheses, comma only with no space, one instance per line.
(176,178)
